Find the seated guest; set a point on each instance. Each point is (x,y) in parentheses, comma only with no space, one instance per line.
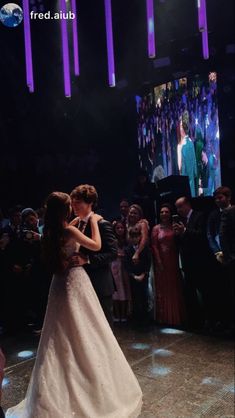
(2,364)
(135,218)
(138,274)
(169,307)
(121,296)
(196,261)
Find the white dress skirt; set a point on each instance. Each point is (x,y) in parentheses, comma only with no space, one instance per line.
(80,370)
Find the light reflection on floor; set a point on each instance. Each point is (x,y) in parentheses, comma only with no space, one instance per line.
(25,354)
(161,352)
(171,331)
(181,374)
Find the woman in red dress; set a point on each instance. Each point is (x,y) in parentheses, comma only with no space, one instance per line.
(169,308)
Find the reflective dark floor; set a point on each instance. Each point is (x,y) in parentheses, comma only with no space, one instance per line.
(181,374)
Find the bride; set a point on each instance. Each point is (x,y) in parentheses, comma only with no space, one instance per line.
(80,370)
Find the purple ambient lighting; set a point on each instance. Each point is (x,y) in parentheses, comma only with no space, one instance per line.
(109,38)
(65,50)
(202,25)
(28,47)
(150,26)
(75,38)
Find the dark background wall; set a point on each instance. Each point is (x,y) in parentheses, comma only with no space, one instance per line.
(49,142)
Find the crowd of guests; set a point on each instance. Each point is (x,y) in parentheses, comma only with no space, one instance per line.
(177,271)
(185,264)
(165,148)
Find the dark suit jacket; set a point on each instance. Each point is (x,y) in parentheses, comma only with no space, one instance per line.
(194,247)
(99,269)
(144,261)
(213,228)
(227,234)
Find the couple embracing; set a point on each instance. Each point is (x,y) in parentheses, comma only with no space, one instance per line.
(80,370)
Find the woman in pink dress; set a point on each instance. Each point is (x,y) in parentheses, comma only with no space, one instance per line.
(169,308)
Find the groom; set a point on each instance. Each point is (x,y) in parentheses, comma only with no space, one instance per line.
(97,264)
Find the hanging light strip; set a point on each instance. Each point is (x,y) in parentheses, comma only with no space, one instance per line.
(75,38)
(109,38)
(65,49)
(28,47)
(150,27)
(202,25)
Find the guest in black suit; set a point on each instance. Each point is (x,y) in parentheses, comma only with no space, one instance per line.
(227,235)
(222,198)
(138,274)
(227,240)
(97,264)
(220,288)
(196,260)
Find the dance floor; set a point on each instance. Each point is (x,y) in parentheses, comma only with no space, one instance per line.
(181,374)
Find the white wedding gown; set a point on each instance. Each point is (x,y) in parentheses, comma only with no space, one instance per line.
(80,370)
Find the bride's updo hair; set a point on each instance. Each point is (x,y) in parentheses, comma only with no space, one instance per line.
(58,210)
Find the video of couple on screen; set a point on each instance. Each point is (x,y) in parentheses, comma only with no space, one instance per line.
(178,132)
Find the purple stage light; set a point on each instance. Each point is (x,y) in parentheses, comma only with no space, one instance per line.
(202,25)
(75,38)
(200,16)
(109,38)
(65,49)
(150,26)
(28,47)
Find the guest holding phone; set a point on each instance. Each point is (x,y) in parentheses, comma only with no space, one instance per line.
(169,309)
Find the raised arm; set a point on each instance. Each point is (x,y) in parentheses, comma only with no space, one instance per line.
(93,243)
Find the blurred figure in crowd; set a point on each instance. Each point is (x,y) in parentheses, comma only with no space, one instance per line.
(227,240)
(121,296)
(3,221)
(220,289)
(124,210)
(145,195)
(2,364)
(138,274)
(135,218)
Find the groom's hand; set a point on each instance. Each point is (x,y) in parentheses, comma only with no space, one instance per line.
(78,260)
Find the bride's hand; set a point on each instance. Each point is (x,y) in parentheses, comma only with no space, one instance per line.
(95,217)
(74,222)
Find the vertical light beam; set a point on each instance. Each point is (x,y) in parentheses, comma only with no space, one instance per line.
(75,39)
(109,39)
(28,47)
(65,49)
(202,26)
(150,27)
